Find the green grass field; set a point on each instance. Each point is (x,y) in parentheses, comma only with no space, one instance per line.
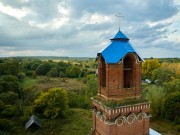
(77,122)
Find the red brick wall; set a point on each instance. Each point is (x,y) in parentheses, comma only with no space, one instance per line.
(115,80)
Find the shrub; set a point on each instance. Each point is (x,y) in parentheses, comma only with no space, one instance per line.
(9,111)
(53,72)
(5,125)
(52,104)
(172,106)
(73,71)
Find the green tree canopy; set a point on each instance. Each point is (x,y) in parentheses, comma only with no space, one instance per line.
(172,106)
(73,71)
(52,103)
(155,95)
(53,72)
(149,66)
(43,68)
(172,86)
(162,75)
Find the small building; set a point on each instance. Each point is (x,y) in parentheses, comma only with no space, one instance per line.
(33,122)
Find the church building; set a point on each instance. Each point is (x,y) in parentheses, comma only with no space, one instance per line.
(118,108)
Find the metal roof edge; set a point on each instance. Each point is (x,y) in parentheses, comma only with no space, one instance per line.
(137,52)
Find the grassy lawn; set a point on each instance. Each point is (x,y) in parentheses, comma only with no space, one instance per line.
(77,122)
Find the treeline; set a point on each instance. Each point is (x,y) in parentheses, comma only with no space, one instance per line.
(33,67)
(164,91)
(168,60)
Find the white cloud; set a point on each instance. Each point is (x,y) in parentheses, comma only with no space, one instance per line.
(14,12)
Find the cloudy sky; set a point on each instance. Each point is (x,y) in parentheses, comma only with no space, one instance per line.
(79,28)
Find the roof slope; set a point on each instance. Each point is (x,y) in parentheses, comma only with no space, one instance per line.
(33,120)
(118,48)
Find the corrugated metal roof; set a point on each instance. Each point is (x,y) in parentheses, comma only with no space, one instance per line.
(118,48)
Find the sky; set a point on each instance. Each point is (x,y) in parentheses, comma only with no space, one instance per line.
(81,28)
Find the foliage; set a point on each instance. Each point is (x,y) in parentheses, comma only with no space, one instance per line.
(52,103)
(149,66)
(73,71)
(172,86)
(81,98)
(162,75)
(9,83)
(43,68)
(155,95)
(92,84)
(9,97)
(9,67)
(9,111)
(53,72)
(172,106)
(173,67)
(5,126)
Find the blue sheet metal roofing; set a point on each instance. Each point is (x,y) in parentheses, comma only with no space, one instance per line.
(118,48)
(120,35)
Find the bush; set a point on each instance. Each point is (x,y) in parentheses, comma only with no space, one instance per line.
(52,104)
(9,97)
(172,106)
(79,100)
(43,68)
(9,111)
(156,95)
(5,125)
(73,71)
(53,72)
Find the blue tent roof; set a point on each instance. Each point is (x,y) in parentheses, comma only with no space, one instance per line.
(120,35)
(118,48)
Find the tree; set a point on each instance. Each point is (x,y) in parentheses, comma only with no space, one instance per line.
(73,71)
(149,66)
(9,97)
(172,106)
(172,86)
(53,72)
(162,75)
(92,84)
(155,95)
(9,83)
(52,104)
(43,68)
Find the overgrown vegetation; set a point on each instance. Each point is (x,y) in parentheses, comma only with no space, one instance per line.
(164,90)
(59,92)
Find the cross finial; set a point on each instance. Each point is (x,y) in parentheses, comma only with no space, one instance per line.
(119,16)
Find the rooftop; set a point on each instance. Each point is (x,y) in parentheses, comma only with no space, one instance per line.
(118,48)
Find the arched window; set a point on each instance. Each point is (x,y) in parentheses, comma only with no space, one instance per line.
(128,72)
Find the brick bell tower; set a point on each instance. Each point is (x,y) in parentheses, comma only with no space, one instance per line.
(119,81)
